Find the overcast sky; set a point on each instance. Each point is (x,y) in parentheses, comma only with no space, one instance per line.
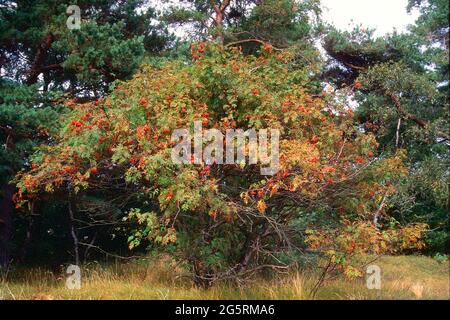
(384,15)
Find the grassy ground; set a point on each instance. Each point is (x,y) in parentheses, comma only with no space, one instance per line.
(403,277)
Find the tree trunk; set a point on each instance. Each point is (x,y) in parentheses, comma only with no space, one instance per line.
(219,10)
(33,226)
(36,66)
(73,231)
(6,212)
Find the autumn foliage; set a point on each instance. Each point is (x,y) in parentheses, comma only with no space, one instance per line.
(330,196)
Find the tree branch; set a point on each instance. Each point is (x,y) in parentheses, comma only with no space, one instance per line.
(36,66)
(402,112)
(51,67)
(249,41)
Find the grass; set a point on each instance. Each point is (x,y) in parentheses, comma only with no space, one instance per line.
(403,277)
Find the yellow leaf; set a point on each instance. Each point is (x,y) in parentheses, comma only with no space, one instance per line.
(261,206)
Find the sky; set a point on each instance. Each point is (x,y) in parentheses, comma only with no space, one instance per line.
(383,15)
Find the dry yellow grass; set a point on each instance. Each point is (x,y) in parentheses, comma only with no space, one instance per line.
(404,277)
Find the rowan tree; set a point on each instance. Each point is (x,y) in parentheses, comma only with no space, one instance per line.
(228,221)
